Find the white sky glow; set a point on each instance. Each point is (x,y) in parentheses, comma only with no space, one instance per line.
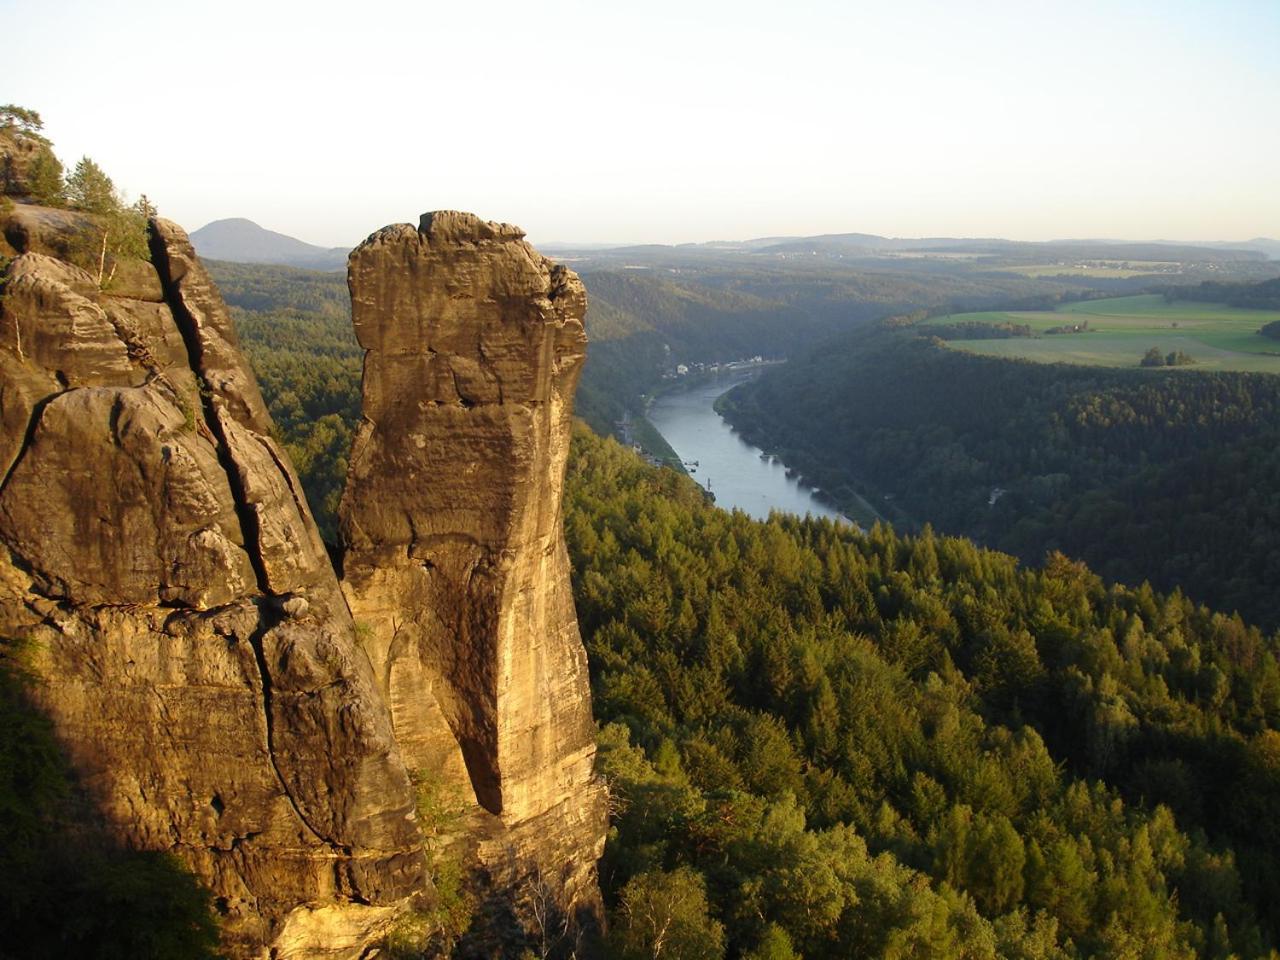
(672,121)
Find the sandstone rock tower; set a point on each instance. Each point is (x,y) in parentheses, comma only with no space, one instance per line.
(195,646)
(455,565)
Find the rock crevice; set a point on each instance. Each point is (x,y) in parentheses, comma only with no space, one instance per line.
(198,653)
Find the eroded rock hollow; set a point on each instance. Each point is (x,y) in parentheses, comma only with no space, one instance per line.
(196,651)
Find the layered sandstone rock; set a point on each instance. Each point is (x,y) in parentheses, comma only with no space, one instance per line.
(196,650)
(155,537)
(455,566)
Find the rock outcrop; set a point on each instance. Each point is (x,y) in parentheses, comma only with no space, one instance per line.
(455,565)
(195,647)
(19,152)
(153,536)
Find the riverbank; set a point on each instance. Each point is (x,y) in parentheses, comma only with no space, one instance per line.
(739,475)
(858,506)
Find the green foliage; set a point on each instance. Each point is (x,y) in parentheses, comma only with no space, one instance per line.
(44,179)
(64,890)
(1264,295)
(1068,328)
(774,945)
(875,745)
(642,322)
(90,189)
(22,120)
(295,326)
(114,232)
(664,915)
(1113,332)
(434,925)
(309,372)
(438,810)
(978,330)
(1146,475)
(1176,358)
(1152,358)
(433,928)
(837,744)
(1271,330)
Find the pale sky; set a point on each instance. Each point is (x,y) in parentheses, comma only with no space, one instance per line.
(662,121)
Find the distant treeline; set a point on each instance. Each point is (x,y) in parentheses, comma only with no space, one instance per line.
(1166,477)
(1258,296)
(976,330)
(640,325)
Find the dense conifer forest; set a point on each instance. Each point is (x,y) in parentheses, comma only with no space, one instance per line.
(837,744)
(1167,476)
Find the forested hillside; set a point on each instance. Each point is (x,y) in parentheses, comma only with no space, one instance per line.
(826,744)
(640,326)
(1146,475)
(1259,296)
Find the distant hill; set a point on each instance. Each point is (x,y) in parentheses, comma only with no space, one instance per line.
(1264,245)
(861,244)
(243,241)
(985,253)
(1268,246)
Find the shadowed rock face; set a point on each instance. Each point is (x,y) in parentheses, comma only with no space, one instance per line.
(197,653)
(455,565)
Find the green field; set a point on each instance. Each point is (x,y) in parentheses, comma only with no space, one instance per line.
(1122,329)
(1117,271)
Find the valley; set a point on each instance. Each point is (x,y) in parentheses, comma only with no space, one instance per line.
(817,737)
(1147,474)
(667,481)
(738,475)
(889,713)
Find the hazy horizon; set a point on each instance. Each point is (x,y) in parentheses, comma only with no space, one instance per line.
(575,243)
(674,123)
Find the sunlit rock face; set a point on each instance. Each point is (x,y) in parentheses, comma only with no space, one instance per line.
(193,644)
(191,640)
(455,565)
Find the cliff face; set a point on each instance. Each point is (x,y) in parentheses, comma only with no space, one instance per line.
(455,564)
(195,648)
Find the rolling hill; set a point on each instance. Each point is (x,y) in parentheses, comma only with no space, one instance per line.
(243,241)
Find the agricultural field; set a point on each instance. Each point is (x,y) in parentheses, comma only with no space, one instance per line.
(1118,269)
(1120,330)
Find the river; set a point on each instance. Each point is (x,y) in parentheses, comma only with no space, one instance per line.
(737,475)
